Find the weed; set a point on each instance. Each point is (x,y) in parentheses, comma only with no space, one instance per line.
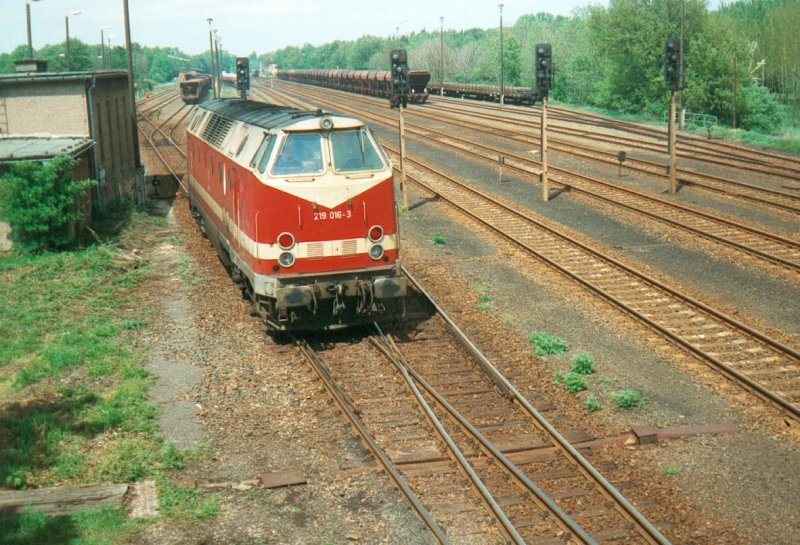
(573,382)
(628,398)
(438,239)
(670,471)
(582,363)
(506,319)
(545,343)
(176,501)
(184,271)
(592,404)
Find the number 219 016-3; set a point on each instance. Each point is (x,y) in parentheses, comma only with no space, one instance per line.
(333,215)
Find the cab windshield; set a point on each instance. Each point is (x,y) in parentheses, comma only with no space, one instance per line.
(353,151)
(301,154)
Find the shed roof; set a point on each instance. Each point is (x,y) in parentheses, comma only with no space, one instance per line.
(41,148)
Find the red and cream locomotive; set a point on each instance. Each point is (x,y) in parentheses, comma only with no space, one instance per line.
(300,207)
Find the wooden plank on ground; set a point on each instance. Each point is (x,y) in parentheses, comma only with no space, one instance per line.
(287,477)
(61,500)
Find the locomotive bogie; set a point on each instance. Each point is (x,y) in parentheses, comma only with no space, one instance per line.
(300,207)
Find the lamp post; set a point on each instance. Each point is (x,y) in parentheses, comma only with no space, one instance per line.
(441,56)
(66,24)
(28,17)
(217,41)
(211,52)
(502,70)
(103,46)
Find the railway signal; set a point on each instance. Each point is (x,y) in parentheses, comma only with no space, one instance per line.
(544,81)
(673,72)
(544,68)
(242,75)
(398,58)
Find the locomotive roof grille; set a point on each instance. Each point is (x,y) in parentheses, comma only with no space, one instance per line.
(259,114)
(216,130)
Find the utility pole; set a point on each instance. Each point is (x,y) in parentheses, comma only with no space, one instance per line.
(28,17)
(103,45)
(734,94)
(66,24)
(131,91)
(502,68)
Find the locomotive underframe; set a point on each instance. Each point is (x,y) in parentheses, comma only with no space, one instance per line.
(311,301)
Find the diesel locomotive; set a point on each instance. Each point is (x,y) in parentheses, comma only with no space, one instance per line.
(300,207)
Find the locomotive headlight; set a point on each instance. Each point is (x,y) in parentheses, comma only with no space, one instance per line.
(326,123)
(376,252)
(286,259)
(286,241)
(375,233)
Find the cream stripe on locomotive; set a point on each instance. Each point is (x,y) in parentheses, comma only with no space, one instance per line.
(308,250)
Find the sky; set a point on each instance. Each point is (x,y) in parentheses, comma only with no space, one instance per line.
(255,25)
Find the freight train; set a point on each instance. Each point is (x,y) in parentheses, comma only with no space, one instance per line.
(478,91)
(193,86)
(300,207)
(366,82)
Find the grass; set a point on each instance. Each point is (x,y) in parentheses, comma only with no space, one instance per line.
(188,503)
(73,391)
(89,527)
(628,399)
(573,382)
(671,471)
(592,405)
(582,363)
(546,344)
(484,297)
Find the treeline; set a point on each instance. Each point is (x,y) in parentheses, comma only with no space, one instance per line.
(151,65)
(612,57)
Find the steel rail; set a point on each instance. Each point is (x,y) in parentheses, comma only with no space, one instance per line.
(687,141)
(713,362)
(346,406)
(621,503)
(675,223)
(652,167)
(389,348)
(160,156)
(455,452)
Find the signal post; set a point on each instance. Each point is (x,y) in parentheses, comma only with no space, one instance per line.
(673,73)
(398,59)
(544,81)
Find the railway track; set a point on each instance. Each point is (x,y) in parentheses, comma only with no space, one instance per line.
(761,365)
(477,479)
(688,146)
(443,421)
(734,235)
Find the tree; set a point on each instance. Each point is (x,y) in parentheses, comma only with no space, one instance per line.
(39,200)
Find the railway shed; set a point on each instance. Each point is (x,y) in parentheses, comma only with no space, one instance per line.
(93,106)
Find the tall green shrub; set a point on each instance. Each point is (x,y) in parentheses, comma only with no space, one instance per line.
(39,200)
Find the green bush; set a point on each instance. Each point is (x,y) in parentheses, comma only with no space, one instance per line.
(545,343)
(760,110)
(592,404)
(628,399)
(573,382)
(38,200)
(583,363)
